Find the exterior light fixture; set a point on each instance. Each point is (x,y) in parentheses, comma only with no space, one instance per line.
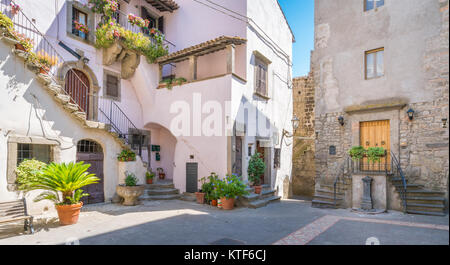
(444,123)
(341,120)
(410,113)
(295,122)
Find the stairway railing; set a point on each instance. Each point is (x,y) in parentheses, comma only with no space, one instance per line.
(397,171)
(340,177)
(112,115)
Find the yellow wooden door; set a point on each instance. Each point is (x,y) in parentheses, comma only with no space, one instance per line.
(376,134)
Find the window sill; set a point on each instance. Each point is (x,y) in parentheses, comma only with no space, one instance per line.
(75,37)
(261,96)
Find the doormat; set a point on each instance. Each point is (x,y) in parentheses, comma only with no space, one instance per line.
(227,241)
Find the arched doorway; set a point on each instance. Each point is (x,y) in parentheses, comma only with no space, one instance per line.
(90,152)
(77,85)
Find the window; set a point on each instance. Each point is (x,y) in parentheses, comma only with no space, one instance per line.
(372,4)
(111,84)
(39,152)
(261,77)
(80,18)
(374,62)
(155,21)
(276,162)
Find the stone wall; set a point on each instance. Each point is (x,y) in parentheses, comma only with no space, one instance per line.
(303,168)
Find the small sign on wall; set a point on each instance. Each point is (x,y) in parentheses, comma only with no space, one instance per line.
(157,157)
(156,148)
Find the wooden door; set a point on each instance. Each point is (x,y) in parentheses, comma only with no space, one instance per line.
(261,151)
(376,134)
(238,161)
(78,86)
(91,153)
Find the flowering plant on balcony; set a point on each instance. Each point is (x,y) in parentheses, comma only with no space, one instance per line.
(46,60)
(138,21)
(106,7)
(81,27)
(15,8)
(151,47)
(25,42)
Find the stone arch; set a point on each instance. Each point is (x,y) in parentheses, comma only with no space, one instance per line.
(93,81)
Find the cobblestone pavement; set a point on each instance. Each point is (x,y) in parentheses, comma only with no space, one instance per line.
(186,223)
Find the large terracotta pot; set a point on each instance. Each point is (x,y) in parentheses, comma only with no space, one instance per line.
(258,189)
(214,203)
(200,197)
(68,214)
(130,194)
(227,204)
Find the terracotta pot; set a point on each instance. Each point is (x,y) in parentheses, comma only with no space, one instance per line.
(200,197)
(214,203)
(19,46)
(149,181)
(43,70)
(258,189)
(162,175)
(130,194)
(227,204)
(68,214)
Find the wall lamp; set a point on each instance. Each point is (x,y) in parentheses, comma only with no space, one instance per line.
(410,113)
(444,123)
(341,120)
(295,124)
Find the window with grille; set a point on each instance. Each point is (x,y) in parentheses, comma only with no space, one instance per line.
(79,17)
(39,152)
(374,62)
(86,146)
(261,77)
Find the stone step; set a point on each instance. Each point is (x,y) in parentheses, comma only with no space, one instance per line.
(430,200)
(250,197)
(263,202)
(426,213)
(160,186)
(329,192)
(327,198)
(324,204)
(162,191)
(409,186)
(398,179)
(267,193)
(425,193)
(161,197)
(422,205)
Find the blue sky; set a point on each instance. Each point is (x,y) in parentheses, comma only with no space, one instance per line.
(300,14)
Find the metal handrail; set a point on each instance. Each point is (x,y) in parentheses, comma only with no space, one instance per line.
(340,176)
(396,163)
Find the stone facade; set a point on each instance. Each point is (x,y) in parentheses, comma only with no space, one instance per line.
(303,167)
(422,144)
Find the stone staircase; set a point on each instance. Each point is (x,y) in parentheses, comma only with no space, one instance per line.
(254,200)
(420,200)
(324,197)
(58,93)
(161,190)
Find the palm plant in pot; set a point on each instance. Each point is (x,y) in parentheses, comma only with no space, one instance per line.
(66,180)
(255,170)
(230,188)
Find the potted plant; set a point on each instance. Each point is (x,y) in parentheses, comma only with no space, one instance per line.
(81,27)
(228,189)
(374,154)
(15,8)
(25,43)
(357,153)
(66,180)
(46,61)
(200,195)
(126,156)
(130,191)
(256,167)
(212,194)
(149,175)
(161,173)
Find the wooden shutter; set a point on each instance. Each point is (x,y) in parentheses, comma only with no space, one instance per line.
(161,24)
(112,86)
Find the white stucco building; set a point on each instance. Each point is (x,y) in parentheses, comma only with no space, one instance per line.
(234,54)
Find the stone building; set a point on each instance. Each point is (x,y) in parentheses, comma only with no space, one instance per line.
(382,80)
(303,167)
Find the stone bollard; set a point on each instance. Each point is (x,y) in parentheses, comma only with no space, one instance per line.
(366,203)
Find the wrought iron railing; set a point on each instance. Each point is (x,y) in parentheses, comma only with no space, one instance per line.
(110,113)
(74,87)
(41,45)
(340,178)
(398,172)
